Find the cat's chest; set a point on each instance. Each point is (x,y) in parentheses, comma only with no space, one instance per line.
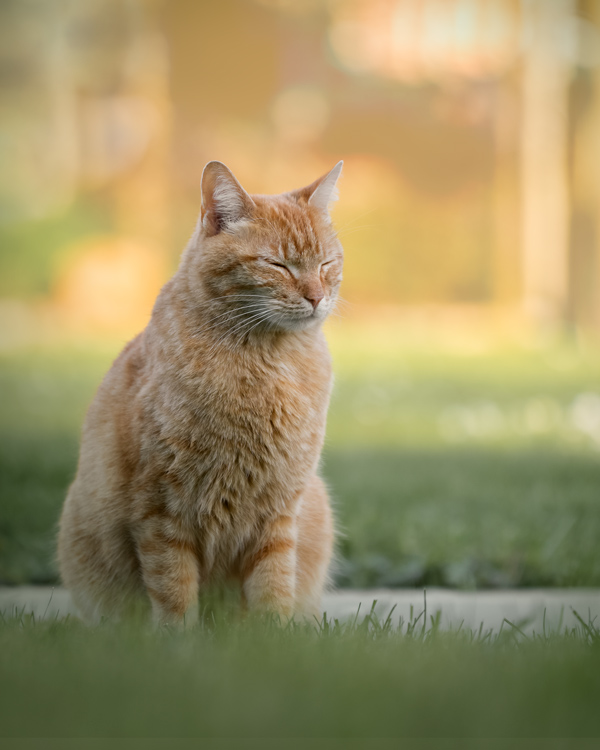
(244,442)
(283,404)
(251,435)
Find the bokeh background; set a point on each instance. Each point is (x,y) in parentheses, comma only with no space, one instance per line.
(464,434)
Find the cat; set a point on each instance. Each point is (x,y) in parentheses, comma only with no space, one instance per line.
(199,454)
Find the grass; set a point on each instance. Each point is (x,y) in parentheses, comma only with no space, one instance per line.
(476,470)
(258,678)
(467,518)
(466,471)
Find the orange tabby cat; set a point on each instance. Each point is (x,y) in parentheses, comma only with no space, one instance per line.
(199,453)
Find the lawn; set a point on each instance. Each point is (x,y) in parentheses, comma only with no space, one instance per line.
(476,469)
(469,470)
(261,679)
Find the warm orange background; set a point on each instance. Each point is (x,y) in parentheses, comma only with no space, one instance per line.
(470,131)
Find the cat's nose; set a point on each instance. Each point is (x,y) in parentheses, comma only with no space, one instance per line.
(314,298)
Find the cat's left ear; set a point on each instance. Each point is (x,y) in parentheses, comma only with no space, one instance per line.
(224,200)
(323,191)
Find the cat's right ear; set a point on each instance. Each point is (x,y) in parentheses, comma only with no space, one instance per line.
(224,200)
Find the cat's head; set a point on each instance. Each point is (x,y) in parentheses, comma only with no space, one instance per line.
(266,262)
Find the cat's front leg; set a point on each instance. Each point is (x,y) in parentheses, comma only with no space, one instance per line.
(170,571)
(269,576)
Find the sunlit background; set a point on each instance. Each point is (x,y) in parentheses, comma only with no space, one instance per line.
(469,211)
(470,131)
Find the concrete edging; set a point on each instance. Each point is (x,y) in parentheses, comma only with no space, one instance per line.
(530,609)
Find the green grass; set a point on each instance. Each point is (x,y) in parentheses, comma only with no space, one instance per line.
(447,469)
(467,518)
(258,678)
(467,471)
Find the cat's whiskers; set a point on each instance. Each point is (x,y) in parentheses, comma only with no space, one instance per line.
(234,342)
(240,310)
(233,330)
(267,317)
(354,219)
(342,300)
(346,233)
(219,320)
(236,296)
(340,307)
(273,321)
(239,327)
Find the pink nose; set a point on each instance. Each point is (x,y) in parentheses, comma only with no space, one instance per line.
(314,298)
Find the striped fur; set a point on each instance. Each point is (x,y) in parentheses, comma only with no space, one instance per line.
(199,453)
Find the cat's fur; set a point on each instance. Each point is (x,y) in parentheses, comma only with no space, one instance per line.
(199,453)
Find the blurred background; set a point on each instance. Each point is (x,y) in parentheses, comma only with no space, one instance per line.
(465,426)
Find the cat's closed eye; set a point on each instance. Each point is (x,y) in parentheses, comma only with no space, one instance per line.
(282,266)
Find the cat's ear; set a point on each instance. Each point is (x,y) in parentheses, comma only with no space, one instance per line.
(224,200)
(323,191)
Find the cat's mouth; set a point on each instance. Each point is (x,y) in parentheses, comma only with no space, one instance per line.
(308,318)
(296,317)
